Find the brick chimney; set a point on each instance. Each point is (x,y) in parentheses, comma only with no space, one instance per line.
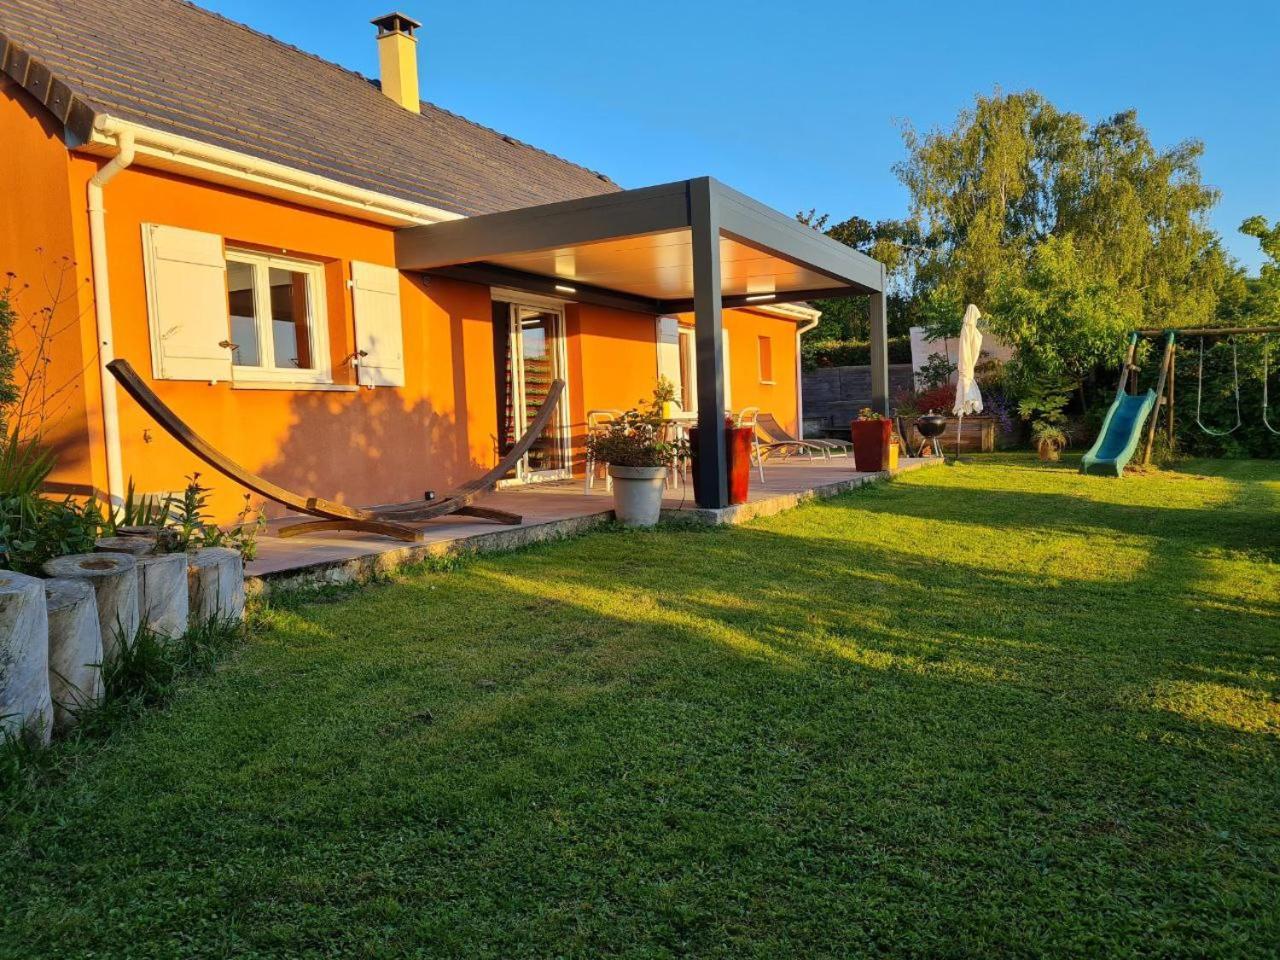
(398,59)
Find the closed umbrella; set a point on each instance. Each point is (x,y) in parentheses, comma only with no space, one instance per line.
(968,396)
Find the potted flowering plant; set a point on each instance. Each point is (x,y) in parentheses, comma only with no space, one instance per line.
(874,448)
(1049,439)
(1043,403)
(664,403)
(638,457)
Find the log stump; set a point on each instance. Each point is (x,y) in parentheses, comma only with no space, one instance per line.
(163,594)
(134,546)
(75,649)
(165,537)
(216,582)
(114,578)
(25,705)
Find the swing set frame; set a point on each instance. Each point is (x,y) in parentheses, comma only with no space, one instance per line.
(1168,372)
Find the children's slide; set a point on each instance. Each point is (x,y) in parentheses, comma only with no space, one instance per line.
(1121,432)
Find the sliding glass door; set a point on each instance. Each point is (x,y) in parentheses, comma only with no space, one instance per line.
(535,358)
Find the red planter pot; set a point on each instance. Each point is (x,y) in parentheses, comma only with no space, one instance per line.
(738,442)
(871,444)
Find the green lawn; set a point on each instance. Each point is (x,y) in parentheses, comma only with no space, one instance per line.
(999,709)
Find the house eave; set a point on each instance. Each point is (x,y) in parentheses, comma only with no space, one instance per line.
(31,74)
(173,153)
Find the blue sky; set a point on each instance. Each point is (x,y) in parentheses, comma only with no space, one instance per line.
(801,104)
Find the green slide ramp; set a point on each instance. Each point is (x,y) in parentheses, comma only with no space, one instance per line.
(1120,434)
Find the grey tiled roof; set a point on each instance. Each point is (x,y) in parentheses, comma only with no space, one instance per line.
(173,66)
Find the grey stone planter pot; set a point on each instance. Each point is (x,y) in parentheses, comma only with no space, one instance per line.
(637,494)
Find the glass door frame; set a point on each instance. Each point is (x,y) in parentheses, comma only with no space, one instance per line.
(516,301)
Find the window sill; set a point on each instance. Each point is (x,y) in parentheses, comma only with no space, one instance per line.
(294,386)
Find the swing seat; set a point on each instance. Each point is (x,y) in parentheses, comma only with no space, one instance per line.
(1121,432)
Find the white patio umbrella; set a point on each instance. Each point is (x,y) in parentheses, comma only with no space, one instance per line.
(968,396)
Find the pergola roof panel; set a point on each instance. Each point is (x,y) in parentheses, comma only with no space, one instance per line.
(660,265)
(638,244)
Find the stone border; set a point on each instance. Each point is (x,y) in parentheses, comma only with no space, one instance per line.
(372,566)
(325,573)
(743,512)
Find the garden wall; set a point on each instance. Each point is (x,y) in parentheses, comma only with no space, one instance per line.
(834,395)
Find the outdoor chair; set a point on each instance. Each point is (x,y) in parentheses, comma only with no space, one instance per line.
(746,417)
(673,432)
(597,422)
(769,438)
(388,521)
(768,427)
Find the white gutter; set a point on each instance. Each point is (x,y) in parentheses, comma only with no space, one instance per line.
(173,152)
(102,310)
(800,332)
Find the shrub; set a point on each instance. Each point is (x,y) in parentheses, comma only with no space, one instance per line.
(998,407)
(140,511)
(34,529)
(1042,403)
(935,372)
(634,440)
(910,403)
(941,399)
(850,353)
(1048,436)
(192,526)
(8,353)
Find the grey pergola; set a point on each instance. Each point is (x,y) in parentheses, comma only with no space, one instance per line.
(694,245)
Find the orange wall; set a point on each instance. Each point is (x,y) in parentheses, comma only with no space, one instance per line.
(613,362)
(38,246)
(365,446)
(746,389)
(362,446)
(617,360)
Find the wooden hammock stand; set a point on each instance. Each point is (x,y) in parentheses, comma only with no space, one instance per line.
(389,521)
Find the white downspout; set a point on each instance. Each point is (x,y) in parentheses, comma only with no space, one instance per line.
(800,332)
(102,311)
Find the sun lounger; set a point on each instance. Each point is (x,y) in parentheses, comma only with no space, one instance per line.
(773,434)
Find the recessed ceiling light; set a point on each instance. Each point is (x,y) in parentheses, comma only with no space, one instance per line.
(561,288)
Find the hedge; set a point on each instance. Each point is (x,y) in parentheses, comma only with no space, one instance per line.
(851,353)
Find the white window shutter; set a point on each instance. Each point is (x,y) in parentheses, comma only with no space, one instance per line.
(186,274)
(379,330)
(669,351)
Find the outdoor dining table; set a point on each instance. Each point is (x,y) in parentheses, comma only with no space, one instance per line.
(676,428)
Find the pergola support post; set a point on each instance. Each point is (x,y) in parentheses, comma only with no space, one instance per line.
(879,350)
(708,325)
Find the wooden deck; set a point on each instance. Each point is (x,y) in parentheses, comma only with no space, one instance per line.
(550,511)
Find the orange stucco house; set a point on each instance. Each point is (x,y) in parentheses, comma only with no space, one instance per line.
(349,291)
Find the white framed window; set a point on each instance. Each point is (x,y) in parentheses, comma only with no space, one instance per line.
(279,324)
(766,359)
